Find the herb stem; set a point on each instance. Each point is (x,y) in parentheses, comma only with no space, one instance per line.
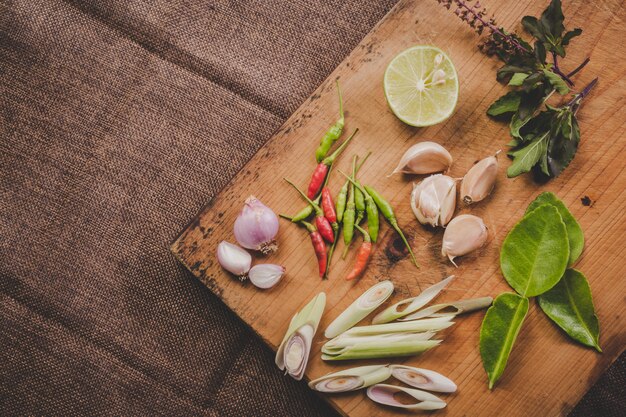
(578,68)
(574,103)
(492,27)
(558,71)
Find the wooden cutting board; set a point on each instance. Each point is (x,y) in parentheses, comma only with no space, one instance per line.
(547,374)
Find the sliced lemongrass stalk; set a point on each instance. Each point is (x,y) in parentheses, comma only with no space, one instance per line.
(339,343)
(387,395)
(452,309)
(411,305)
(361,307)
(381,349)
(414,326)
(422,378)
(351,379)
(292,355)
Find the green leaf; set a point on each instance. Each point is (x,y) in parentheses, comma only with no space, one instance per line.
(517,79)
(540,52)
(508,103)
(556,82)
(570,306)
(575,234)
(498,332)
(571,34)
(534,254)
(526,157)
(533,26)
(561,150)
(552,20)
(508,70)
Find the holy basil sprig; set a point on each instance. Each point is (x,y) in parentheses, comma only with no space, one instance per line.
(544,141)
(534,259)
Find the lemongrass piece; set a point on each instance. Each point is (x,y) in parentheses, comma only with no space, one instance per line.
(422,378)
(337,344)
(451,309)
(361,307)
(293,353)
(348,340)
(425,325)
(374,350)
(351,379)
(386,395)
(411,305)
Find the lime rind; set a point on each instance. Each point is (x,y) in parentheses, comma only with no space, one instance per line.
(421,86)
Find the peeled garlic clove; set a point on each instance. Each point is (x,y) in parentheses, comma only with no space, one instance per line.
(422,378)
(266,275)
(424,158)
(234,259)
(351,379)
(480,180)
(433,200)
(386,394)
(464,234)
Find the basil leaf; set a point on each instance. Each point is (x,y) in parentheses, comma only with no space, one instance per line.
(508,103)
(526,157)
(498,332)
(575,234)
(532,25)
(571,34)
(517,79)
(534,254)
(552,20)
(556,82)
(570,306)
(540,52)
(562,149)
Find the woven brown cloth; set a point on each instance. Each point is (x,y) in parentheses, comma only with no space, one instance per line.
(119,120)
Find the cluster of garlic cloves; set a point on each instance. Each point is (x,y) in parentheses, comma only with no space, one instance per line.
(434,199)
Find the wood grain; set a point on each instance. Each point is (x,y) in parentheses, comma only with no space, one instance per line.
(547,373)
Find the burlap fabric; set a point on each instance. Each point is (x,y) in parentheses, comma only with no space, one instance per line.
(118,121)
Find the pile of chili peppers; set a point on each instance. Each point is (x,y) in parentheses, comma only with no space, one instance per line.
(353,203)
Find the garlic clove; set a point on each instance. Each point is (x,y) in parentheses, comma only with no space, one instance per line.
(266,275)
(464,234)
(234,259)
(387,395)
(422,378)
(424,158)
(434,199)
(480,180)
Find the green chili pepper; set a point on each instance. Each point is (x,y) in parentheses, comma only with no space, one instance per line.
(370,209)
(333,133)
(349,214)
(342,197)
(387,211)
(359,202)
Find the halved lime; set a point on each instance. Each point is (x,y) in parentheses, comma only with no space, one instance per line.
(421,86)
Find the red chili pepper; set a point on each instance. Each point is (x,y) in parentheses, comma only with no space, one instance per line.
(328,206)
(322,223)
(317,179)
(363,255)
(325,229)
(318,246)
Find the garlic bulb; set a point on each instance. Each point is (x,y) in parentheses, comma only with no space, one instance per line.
(234,259)
(464,234)
(387,395)
(266,275)
(256,226)
(422,378)
(424,158)
(433,200)
(479,181)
